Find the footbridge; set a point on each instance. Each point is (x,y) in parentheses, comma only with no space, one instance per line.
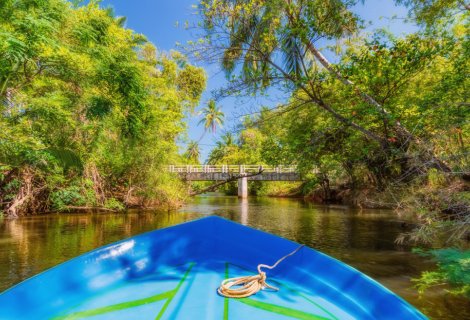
(241,173)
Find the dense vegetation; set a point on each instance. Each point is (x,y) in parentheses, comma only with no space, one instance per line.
(90,110)
(386,124)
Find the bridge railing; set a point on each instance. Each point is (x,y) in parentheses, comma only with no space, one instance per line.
(236,169)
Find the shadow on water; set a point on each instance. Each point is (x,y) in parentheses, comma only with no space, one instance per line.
(363,239)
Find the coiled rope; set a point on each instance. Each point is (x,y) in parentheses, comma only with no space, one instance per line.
(242,287)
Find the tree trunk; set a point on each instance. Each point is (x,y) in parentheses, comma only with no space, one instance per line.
(401,131)
(25,193)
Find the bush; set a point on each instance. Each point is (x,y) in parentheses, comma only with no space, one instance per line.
(113,204)
(70,196)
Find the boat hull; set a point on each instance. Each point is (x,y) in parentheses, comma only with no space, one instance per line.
(174,273)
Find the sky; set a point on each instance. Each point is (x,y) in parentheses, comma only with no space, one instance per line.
(162,22)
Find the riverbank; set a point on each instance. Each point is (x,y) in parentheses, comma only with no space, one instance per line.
(450,197)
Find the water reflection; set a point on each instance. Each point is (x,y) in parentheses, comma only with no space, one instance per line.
(244,211)
(364,239)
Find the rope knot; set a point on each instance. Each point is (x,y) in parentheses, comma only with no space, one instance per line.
(262,278)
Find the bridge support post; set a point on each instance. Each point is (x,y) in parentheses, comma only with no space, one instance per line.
(243,187)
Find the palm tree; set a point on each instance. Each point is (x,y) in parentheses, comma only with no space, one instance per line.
(223,148)
(213,117)
(193,152)
(228,140)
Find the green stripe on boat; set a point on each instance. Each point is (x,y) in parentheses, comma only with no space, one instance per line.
(168,295)
(175,291)
(226,299)
(116,307)
(288,312)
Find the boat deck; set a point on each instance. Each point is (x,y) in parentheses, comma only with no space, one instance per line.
(174,273)
(190,292)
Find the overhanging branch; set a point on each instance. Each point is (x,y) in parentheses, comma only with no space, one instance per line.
(230,179)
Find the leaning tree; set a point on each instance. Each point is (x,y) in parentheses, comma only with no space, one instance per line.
(277,43)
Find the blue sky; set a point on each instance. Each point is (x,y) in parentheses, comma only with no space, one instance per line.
(162,21)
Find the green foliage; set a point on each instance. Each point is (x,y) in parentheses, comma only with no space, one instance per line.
(429,11)
(114,204)
(231,188)
(87,106)
(443,208)
(383,109)
(310,186)
(224,151)
(275,188)
(249,147)
(267,40)
(453,267)
(67,196)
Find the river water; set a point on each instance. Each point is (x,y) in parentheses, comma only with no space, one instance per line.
(363,239)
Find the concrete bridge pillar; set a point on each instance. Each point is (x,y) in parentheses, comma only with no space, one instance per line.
(243,187)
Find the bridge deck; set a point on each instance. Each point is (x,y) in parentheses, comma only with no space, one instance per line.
(226,172)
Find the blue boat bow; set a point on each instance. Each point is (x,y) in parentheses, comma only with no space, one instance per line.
(174,273)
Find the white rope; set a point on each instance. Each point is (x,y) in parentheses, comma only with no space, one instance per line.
(242,287)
